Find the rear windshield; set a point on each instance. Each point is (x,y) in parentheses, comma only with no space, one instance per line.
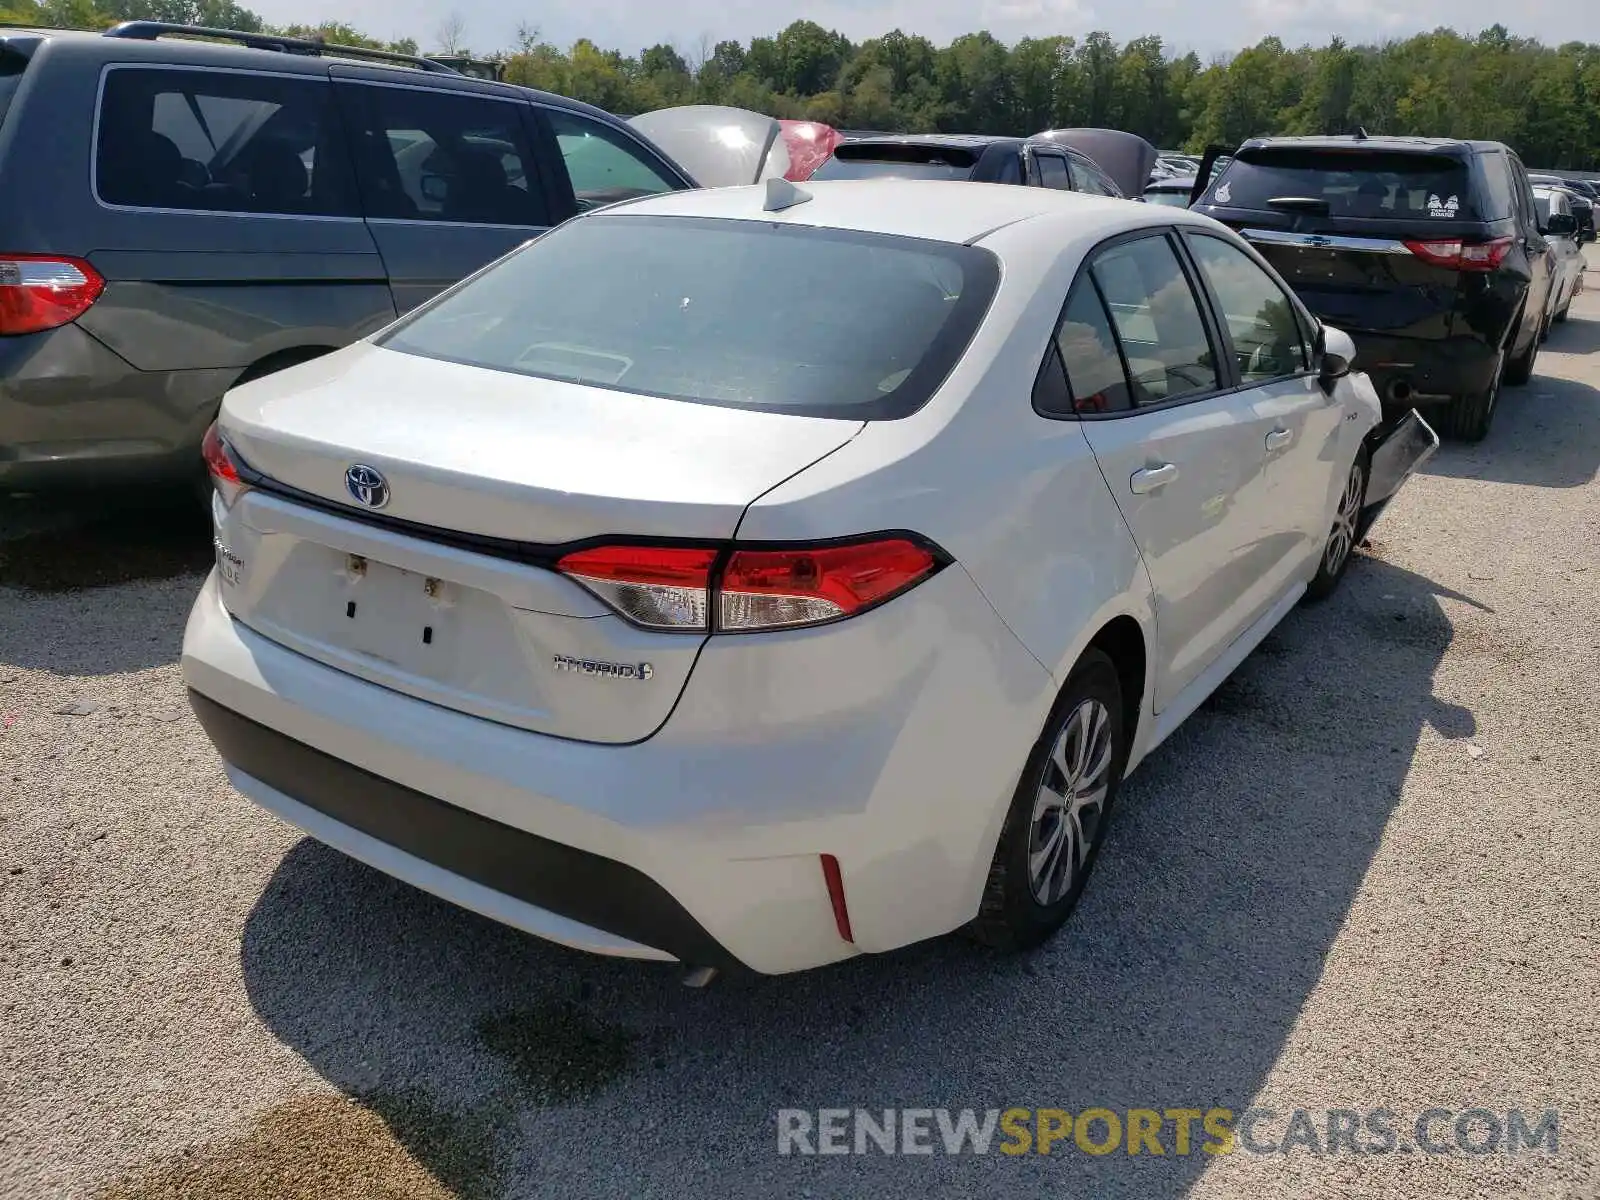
(1351,183)
(897,162)
(748,314)
(1175,199)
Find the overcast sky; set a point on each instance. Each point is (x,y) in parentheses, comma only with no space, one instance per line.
(631,25)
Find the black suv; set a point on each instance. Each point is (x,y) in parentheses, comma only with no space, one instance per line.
(182,215)
(1428,252)
(976,158)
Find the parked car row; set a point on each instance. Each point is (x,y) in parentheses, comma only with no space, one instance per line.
(525,597)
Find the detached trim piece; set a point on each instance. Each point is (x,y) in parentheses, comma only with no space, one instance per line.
(595,891)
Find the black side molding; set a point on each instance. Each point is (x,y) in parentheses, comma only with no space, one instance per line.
(596,891)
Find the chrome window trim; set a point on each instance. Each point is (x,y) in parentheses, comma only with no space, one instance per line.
(1324,241)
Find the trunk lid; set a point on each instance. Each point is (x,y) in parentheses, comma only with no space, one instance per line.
(1336,223)
(447,592)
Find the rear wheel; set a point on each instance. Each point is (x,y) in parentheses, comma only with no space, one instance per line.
(1520,369)
(1467,418)
(1341,542)
(1058,817)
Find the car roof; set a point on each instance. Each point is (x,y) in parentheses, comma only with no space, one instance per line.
(1373,142)
(178,52)
(965,141)
(939,210)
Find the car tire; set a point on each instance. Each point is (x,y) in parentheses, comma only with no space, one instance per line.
(1467,418)
(1058,817)
(1520,369)
(1340,546)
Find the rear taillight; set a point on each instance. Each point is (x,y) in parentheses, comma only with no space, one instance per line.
(746,590)
(44,291)
(1457,255)
(220,465)
(659,587)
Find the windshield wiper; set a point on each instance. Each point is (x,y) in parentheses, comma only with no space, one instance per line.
(1305,204)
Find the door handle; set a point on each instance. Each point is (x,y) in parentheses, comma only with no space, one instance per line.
(1152,479)
(1278,439)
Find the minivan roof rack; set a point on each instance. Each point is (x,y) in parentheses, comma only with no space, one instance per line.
(149,31)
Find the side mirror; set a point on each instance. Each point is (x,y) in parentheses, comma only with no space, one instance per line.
(1561,225)
(1336,355)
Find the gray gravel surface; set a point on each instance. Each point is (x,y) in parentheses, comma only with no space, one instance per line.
(1364,875)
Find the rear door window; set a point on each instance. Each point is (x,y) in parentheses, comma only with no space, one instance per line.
(1372,184)
(1268,341)
(1157,319)
(748,314)
(604,164)
(1053,172)
(1088,347)
(221,141)
(1091,179)
(444,156)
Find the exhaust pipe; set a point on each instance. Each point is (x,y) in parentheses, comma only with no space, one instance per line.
(1398,391)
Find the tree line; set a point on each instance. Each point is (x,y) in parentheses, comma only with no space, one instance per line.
(1542,100)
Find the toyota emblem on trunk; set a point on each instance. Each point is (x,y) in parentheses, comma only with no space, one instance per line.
(366,485)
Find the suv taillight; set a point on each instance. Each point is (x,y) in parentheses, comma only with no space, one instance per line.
(222,468)
(44,291)
(1457,255)
(692,589)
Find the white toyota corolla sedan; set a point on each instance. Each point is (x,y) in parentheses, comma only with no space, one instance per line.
(762,576)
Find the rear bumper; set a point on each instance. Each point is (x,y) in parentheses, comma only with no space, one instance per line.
(362,812)
(73,414)
(1435,372)
(701,843)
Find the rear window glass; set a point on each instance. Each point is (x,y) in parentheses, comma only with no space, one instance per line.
(1174,199)
(897,162)
(1352,183)
(747,314)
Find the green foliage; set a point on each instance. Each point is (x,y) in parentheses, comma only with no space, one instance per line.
(1542,100)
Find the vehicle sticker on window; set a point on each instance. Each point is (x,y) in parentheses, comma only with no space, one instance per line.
(1225,193)
(1448,208)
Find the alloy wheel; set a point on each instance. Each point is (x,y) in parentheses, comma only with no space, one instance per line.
(1071,802)
(1342,538)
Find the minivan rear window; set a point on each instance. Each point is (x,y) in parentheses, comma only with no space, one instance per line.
(747,314)
(888,161)
(1372,184)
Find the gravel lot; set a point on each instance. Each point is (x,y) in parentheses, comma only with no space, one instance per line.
(1365,875)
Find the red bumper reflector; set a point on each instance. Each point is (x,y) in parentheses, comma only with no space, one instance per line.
(835,882)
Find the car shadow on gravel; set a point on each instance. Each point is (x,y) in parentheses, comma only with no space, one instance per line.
(1236,854)
(1545,433)
(101,541)
(99,585)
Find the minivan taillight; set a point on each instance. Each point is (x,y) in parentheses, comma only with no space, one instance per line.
(690,589)
(1457,255)
(220,465)
(44,291)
